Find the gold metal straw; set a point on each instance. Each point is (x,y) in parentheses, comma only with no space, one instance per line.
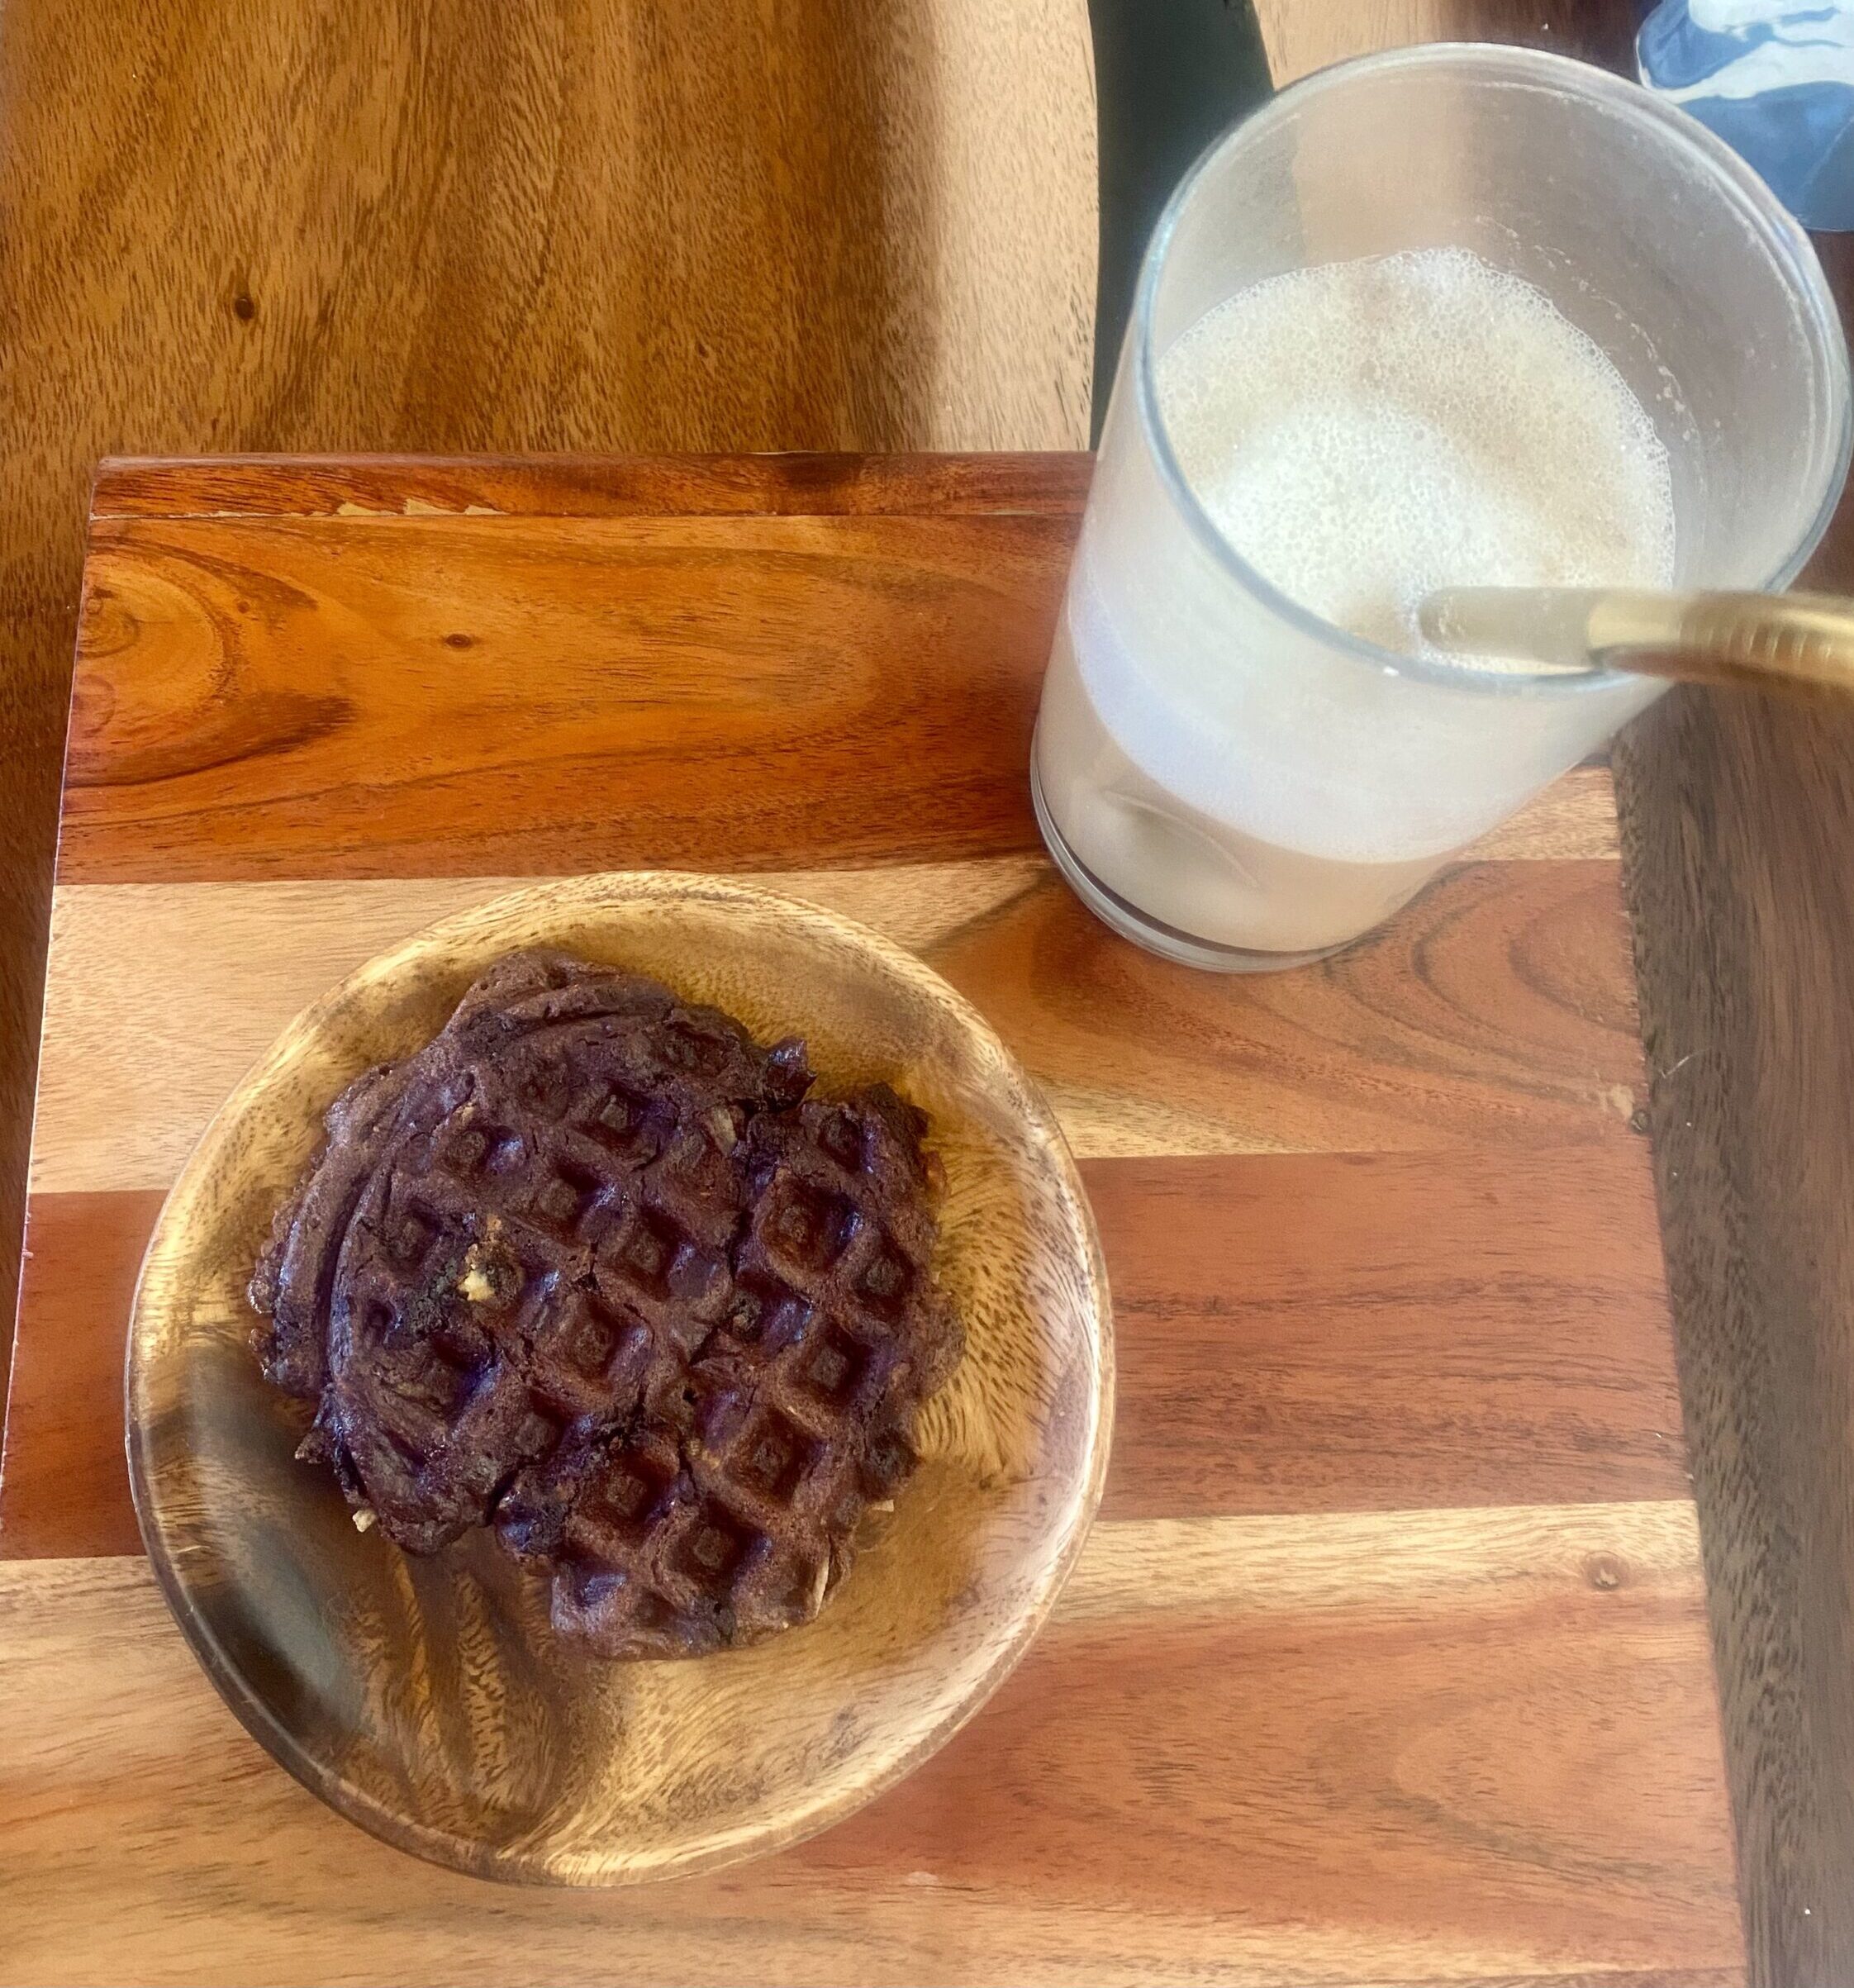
(1767,641)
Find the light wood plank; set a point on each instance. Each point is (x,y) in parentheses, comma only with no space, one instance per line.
(1301,35)
(1306,1563)
(1574,819)
(175,990)
(160,996)
(1519,1781)
(1304,35)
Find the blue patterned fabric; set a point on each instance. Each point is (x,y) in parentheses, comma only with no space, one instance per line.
(1775,80)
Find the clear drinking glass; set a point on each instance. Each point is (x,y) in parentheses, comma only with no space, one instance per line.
(1234,782)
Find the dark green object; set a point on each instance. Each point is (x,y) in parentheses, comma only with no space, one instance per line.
(1170,75)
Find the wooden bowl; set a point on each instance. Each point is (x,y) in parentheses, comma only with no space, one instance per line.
(429,1699)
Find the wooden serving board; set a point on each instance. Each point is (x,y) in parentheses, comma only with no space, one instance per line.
(1388,1659)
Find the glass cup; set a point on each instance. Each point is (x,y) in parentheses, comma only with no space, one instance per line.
(1232,782)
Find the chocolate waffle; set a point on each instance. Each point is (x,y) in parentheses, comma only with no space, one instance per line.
(585,1267)
(731,1507)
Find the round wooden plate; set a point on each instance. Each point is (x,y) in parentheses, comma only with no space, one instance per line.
(429,1699)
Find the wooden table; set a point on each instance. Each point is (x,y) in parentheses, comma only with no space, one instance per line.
(1388,1659)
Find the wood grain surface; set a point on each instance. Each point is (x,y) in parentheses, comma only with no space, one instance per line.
(1744,990)
(1499,1009)
(1304,35)
(1389,1652)
(783,754)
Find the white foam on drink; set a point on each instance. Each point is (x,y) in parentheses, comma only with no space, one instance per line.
(1367,431)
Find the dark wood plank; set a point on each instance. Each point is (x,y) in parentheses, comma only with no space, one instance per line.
(64,1483)
(1296,1333)
(783,485)
(1739,825)
(514,695)
(1739,840)
(1305,1332)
